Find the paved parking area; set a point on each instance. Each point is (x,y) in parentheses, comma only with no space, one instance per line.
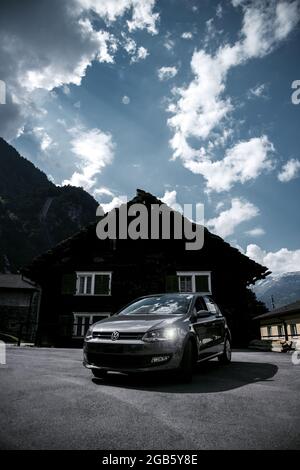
(49,401)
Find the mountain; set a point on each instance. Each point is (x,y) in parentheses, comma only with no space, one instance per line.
(284,288)
(35,214)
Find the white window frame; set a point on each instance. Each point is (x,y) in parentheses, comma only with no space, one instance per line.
(293,325)
(269,328)
(193,274)
(93,274)
(281,333)
(77,315)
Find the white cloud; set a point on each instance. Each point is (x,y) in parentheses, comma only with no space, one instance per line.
(143,16)
(267,23)
(289,170)
(255,232)
(219,10)
(211,32)
(142,53)
(95,150)
(242,162)
(93,45)
(44,139)
(66,90)
(130,46)
(116,201)
(226,222)
(60,50)
(257,91)
(219,205)
(165,73)
(125,99)
(280,261)
(194,213)
(103,191)
(169,44)
(200,108)
(187,35)
(287,18)
(170,199)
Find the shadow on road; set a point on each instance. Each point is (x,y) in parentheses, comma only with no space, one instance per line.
(210,377)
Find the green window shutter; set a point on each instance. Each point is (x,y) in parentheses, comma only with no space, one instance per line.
(172,284)
(202,284)
(102,284)
(68,284)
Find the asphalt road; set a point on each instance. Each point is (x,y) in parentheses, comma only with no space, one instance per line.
(49,401)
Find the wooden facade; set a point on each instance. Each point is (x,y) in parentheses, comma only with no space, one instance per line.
(18,307)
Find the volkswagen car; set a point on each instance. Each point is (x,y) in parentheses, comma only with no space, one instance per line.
(159,332)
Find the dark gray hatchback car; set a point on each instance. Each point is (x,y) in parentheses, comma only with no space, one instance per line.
(159,332)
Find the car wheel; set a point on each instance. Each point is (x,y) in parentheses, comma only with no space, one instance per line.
(99,373)
(187,365)
(225,358)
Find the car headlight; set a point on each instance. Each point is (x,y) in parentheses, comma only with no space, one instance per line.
(89,334)
(164,334)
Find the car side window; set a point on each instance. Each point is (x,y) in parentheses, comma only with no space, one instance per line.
(200,304)
(212,307)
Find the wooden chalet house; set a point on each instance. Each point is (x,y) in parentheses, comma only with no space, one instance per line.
(85,279)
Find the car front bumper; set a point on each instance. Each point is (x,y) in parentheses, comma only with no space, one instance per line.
(133,356)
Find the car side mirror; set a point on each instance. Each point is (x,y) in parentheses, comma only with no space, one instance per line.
(202,314)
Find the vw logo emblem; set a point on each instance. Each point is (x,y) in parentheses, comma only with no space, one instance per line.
(115,335)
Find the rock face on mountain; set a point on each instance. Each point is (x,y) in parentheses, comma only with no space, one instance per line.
(35,214)
(282,288)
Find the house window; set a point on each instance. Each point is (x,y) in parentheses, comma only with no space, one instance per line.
(269,331)
(84,284)
(280,330)
(293,328)
(185,284)
(82,322)
(192,281)
(93,283)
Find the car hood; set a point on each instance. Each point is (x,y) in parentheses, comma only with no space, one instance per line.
(136,323)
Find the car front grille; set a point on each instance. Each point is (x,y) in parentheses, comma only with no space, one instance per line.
(122,336)
(121,361)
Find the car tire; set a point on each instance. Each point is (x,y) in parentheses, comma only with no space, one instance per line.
(99,373)
(187,364)
(225,358)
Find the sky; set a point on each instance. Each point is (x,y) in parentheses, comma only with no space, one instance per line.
(189,100)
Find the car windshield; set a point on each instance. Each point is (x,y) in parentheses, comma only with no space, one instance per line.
(160,305)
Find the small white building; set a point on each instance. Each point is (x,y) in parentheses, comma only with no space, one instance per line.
(281,323)
(18,307)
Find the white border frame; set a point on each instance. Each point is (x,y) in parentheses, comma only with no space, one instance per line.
(93,274)
(194,274)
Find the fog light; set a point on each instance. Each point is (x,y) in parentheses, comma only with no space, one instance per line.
(156,359)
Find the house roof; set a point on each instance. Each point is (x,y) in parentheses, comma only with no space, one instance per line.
(14,281)
(281,312)
(254,270)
